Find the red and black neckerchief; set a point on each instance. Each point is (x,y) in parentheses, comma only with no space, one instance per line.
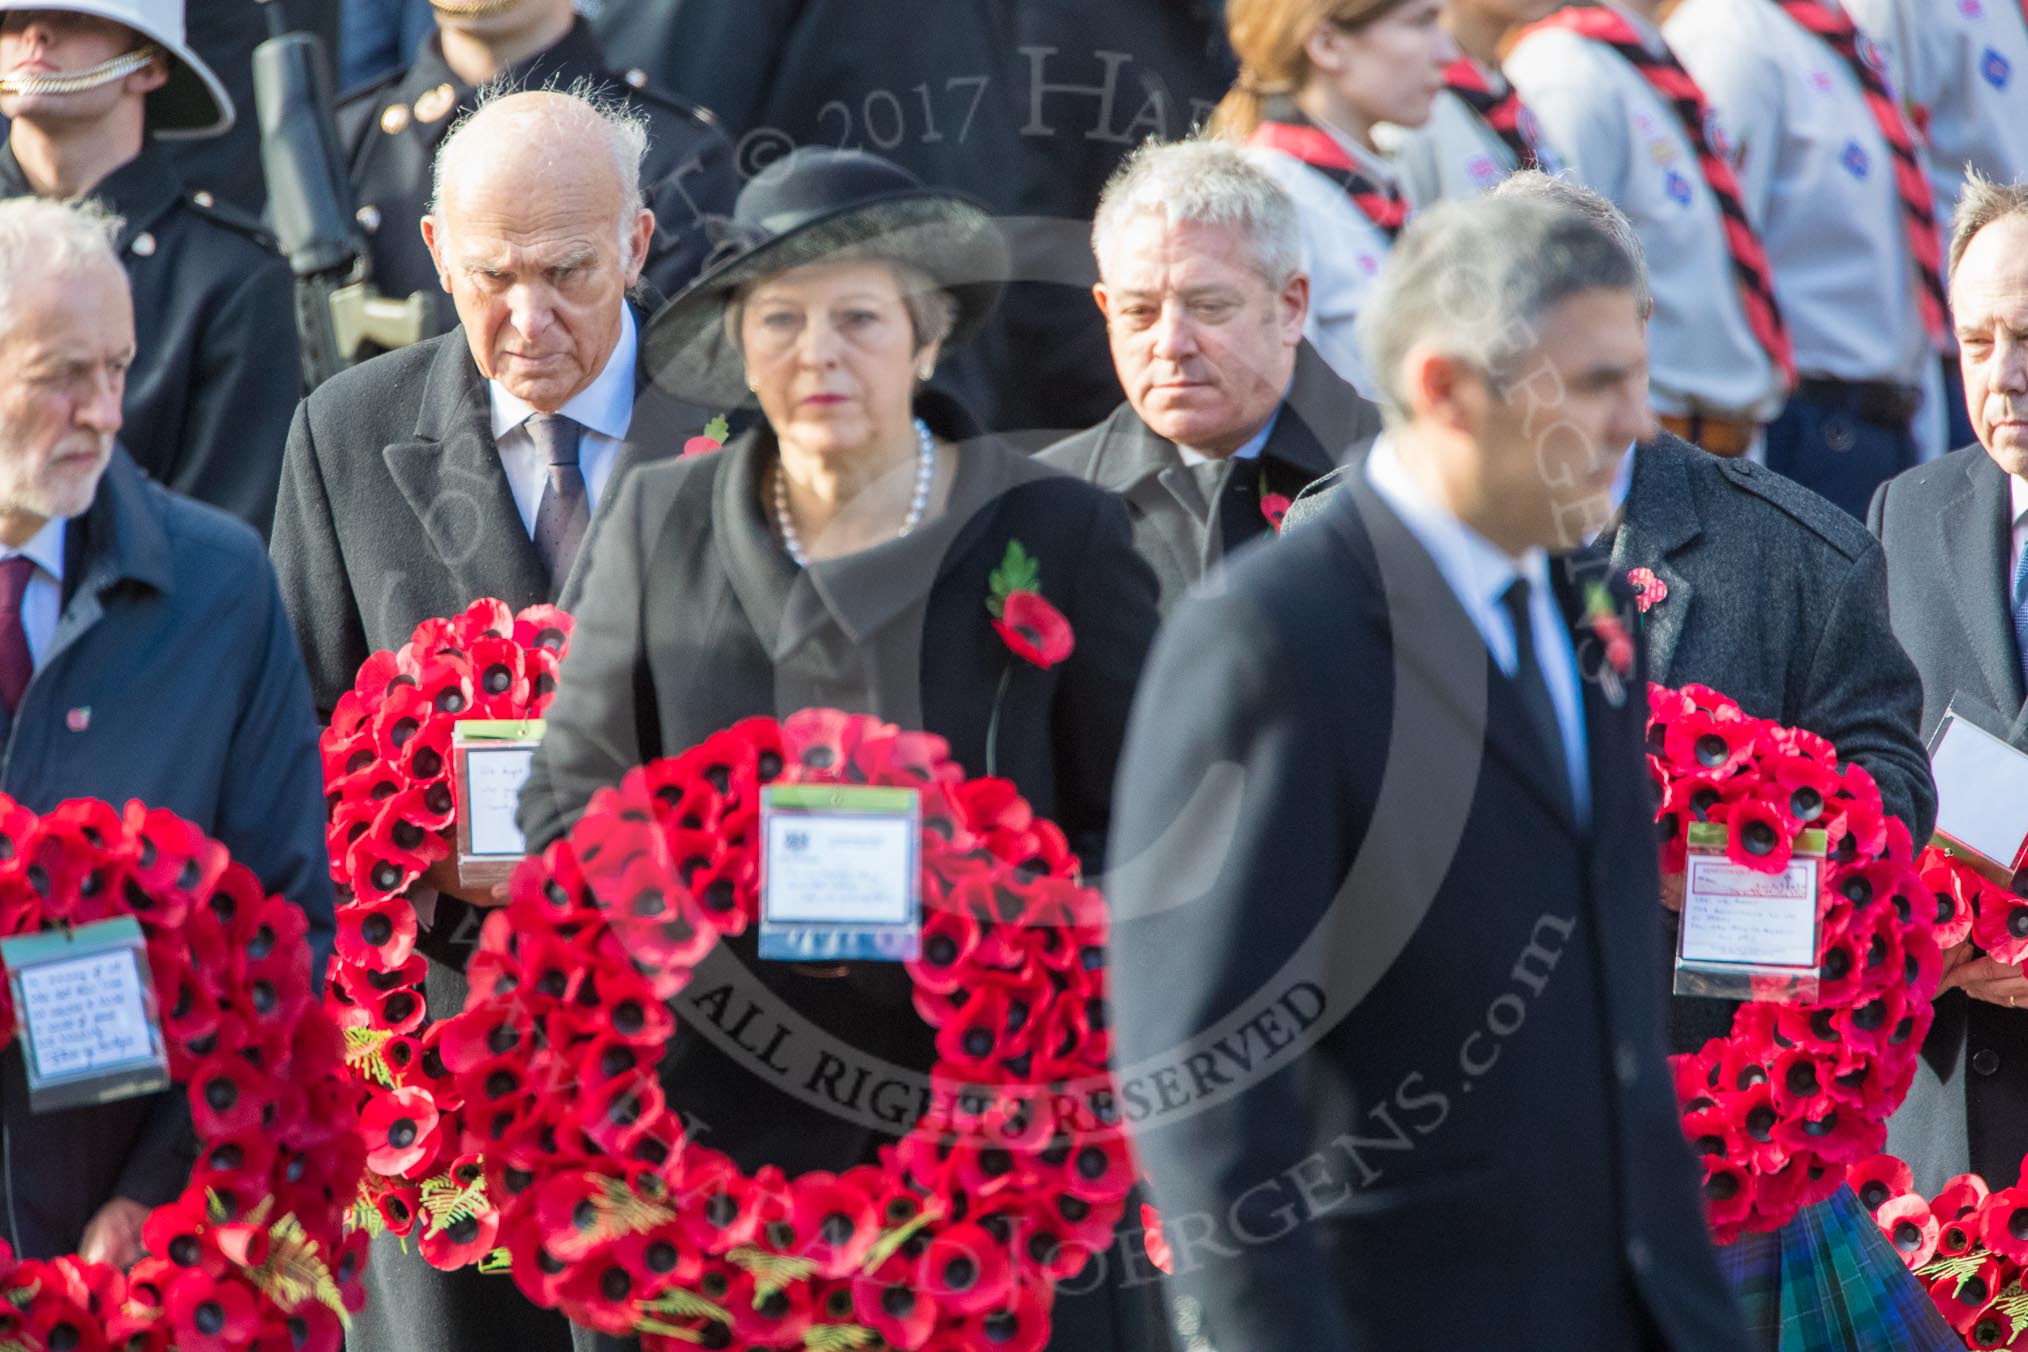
(1918,207)
(1501,112)
(1675,87)
(1286,129)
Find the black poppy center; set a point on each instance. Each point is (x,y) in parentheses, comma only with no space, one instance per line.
(1722,1187)
(401,1134)
(1758,838)
(497,680)
(1806,803)
(897,1301)
(210,1318)
(1711,751)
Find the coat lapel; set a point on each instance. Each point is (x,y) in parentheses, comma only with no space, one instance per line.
(1146,471)
(1975,541)
(1660,522)
(1433,637)
(451,477)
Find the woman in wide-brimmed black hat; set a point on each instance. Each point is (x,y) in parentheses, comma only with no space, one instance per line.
(840,554)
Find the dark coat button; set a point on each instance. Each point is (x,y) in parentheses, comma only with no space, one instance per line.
(1986,1061)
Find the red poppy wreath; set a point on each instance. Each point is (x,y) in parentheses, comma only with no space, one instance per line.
(254,1251)
(388,782)
(1779,1110)
(1968,1245)
(953,1240)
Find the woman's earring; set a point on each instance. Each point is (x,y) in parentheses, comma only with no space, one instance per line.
(753,384)
(926,372)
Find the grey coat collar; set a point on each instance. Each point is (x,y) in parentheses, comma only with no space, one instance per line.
(1661,521)
(1974,537)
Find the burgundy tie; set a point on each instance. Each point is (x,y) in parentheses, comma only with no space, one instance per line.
(16,662)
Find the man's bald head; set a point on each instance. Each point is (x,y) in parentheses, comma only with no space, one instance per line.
(537,229)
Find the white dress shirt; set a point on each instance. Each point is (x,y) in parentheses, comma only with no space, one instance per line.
(42,599)
(1479,572)
(1455,154)
(1342,251)
(603,409)
(1251,450)
(1818,181)
(2017,489)
(1629,146)
(1964,65)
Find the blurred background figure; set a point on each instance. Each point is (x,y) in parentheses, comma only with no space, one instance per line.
(1636,128)
(215,372)
(1315,78)
(379,37)
(1479,130)
(1832,176)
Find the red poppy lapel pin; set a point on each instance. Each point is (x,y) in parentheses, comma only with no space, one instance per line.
(1649,590)
(1029,625)
(1602,617)
(1275,507)
(710,439)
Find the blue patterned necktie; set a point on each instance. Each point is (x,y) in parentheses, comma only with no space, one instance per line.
(2021,615)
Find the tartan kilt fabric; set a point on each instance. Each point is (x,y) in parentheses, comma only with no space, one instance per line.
(1829,1281)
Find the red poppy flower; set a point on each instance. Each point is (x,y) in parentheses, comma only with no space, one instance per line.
(1034,629)
(1962,1300)
(211,1315)
(887,1302)
(701,445)
(400,1128)
(1880,1180)
(179,1233)
(228,1096)
(835,1224)
(1910,1228)
(1020,1323)
(1649,590)
(2000,925)
(1757,837)
(1728,1191)
(1151,1237)
(1275,507)
(965,1269)
(379,936)
(1960,1196)
(1702,743)
(2003,1224)
(461,1243)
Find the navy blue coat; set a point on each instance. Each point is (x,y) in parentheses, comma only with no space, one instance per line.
(174,645)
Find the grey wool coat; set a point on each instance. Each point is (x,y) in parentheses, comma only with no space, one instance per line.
(1946,529)
(1322,422)
(394,508)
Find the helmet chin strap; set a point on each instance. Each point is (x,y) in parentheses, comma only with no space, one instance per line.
(78,81)
(472,9)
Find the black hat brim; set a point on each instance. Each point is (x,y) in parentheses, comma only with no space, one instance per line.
(950,238)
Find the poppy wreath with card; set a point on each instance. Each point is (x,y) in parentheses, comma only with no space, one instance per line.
(1800,1091)
(388,782)
(1968,1245)
(1014,1176)
(254,1252)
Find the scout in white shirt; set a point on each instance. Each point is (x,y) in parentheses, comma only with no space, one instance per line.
(1479,130)
(1817,173)
(1308,98)
(1711,378)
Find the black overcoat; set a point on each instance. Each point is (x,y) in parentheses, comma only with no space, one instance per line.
(389,132)
(692,617)
(1946,527)
(215,370)
(394,508)
(1377,1033)
(1322,422)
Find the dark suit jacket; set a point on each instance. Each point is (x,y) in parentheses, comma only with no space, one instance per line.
(1369,993)
(1946,530)
(394,508)
(692,617)
(216,370)
(1321,423)
(174,644)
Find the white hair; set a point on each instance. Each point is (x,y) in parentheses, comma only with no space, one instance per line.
(1206,183)
(40,238)
(625,126)
(1982,202)
(1474,278)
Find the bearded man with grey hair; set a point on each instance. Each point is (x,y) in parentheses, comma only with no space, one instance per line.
(1229,411)
(1382,818)
(473,465)
(144,654)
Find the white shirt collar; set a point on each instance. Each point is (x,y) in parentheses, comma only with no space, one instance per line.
(604,408)
(1477,569)
(45,547)
(2017,488)
(1376,167)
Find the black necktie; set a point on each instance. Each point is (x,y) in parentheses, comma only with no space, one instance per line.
(561,517)
(1534,690)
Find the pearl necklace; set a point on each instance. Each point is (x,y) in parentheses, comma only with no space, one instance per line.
(925,470)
